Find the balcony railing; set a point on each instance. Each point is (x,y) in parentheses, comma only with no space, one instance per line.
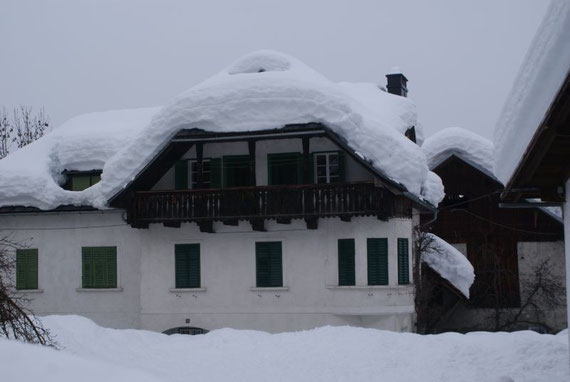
(309,201)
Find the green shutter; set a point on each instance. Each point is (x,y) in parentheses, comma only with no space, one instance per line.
(80,182)
(236,171)
(187,265)
(342,166)
(403,262)
(346,267)
(181,174)
(269,266)
(284,168)
(95,179)
(216,172)
(377,261)
(27,269)
(99,265)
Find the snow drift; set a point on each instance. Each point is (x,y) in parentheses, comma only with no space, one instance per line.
(324,354)
(262,90)
(546,65)
(460,142)
(449,263)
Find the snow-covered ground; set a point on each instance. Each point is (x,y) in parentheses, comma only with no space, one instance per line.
(93,353)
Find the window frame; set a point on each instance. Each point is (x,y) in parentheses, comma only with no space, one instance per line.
(22,285)
(91,284)
(191,177)
(200,283)
(258,282)
(327,155)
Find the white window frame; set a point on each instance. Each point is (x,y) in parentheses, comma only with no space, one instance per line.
(190,178)
(327,156)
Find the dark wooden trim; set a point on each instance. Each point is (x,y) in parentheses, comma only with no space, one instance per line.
(199,166)
(252,162)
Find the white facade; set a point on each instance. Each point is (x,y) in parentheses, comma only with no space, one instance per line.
(146,298)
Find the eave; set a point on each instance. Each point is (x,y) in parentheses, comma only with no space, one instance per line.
(545,164)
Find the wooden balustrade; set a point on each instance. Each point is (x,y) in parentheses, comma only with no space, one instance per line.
(261,202)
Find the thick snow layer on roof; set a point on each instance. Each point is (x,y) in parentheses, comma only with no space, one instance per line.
(540,77)
(30,176)
(93,353)
(262,90)
(449,263)
(462,143)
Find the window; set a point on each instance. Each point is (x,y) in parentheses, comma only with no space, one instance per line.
(377,261)
(26,269)
(285,168)
(187,265)
(268,263)
(81,180)
(206,174)
(236,171)
(346,262)
(99,267)
(329,167)
(186,173)
(403,262)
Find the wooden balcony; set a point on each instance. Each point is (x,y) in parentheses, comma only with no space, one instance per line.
(256,204)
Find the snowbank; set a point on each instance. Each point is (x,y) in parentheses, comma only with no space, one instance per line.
(262,90)
(544,68)
(449,263)
(324,354)
(462,143)
(25,362)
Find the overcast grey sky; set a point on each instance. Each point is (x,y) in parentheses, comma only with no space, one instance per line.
(77,56)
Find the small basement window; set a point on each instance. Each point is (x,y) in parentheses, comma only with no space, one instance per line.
(81,180)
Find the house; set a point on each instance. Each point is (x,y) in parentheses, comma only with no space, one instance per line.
(267,197)
(532,135)
(504,245)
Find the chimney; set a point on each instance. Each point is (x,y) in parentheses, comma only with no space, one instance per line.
(397,82)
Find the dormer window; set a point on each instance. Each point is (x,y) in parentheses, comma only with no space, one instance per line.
(81,180)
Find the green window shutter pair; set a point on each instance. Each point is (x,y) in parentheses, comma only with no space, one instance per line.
(284,168)
(181,174)
(26,269)
(346,265)
(377,249)
(99,267)
(187,265)
(236,171)
(80,182)
(403,262)
(269,264)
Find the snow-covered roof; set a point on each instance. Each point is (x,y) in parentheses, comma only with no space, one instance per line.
(540,77)
(263,90)
(449,263)
(465,144)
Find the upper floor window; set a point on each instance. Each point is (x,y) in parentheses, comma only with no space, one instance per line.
(329,167)
(284,168)
(206,174)
(81,180)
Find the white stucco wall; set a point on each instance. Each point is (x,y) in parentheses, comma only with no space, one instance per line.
(145,257)
(59,238)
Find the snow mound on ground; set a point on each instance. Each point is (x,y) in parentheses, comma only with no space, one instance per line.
(449,263)
(462,143)
(316,355)
(540,77)
(26,362)
(262,90)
